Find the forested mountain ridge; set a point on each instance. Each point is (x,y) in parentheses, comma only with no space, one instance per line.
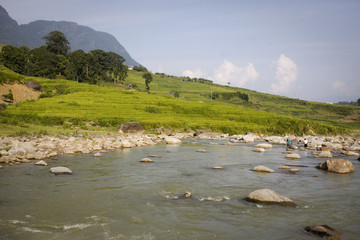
(80,37)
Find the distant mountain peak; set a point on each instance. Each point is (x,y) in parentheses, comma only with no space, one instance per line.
(80,37)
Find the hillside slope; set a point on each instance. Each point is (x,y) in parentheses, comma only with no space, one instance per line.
(194,91)
(68,105)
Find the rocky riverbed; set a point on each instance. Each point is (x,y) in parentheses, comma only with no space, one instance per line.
(16,150)
(26,149)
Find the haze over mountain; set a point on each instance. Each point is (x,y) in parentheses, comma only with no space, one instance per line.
(80,37)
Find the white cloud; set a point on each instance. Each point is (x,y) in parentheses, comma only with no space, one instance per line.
(225,73)
(346,90)
(237,76)
(196,73)
(160,69)
(339,86)
(286,75)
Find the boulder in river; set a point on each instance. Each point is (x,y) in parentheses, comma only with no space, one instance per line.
(337,165)
(325,154)
(263,145)
(249,138)
(172,140)
(60,170)
(201,150)
(284,167)
(97,154)
(41,163)
(186,195)
(146,160)
(259,150)
(269,197)
(324,231)
(262,168)
(293,156)
(217,168)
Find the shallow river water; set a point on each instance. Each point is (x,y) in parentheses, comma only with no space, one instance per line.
(117,197)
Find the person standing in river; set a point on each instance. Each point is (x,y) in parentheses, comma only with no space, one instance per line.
(305,143)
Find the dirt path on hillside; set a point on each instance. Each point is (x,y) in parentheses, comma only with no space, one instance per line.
(20,92)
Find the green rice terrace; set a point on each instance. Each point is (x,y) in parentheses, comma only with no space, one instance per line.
(66,106)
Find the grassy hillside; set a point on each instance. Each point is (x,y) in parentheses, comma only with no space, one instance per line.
(68,106)
(321,112)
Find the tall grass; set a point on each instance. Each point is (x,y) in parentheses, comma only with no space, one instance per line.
(7,76)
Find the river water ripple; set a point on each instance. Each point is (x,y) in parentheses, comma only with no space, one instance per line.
(117,197)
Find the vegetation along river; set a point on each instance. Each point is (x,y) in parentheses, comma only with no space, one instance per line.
(118,197)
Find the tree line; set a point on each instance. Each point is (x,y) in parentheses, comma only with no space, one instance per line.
(55,59)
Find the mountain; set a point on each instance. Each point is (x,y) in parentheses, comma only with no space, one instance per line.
(80,37)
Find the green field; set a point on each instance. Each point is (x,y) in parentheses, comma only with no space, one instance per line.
(68,106)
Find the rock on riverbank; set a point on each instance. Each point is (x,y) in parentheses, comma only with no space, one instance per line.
(17,150)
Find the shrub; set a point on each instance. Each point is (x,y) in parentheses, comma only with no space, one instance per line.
(140,69)
(152,109)
(8,97)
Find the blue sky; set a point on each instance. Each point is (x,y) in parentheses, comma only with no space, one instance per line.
(307,49)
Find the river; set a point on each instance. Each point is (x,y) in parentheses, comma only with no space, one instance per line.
(117,197)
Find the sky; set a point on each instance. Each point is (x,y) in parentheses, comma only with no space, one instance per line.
(305,49)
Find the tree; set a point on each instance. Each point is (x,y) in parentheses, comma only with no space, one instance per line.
(77,66)
(111,67)
(15,58)
(60,64)
(42,63)
(102,60)
(122,73)
(176,94)
(82,67)
(116,68)
(57,43)
(148,79)
(358,101)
